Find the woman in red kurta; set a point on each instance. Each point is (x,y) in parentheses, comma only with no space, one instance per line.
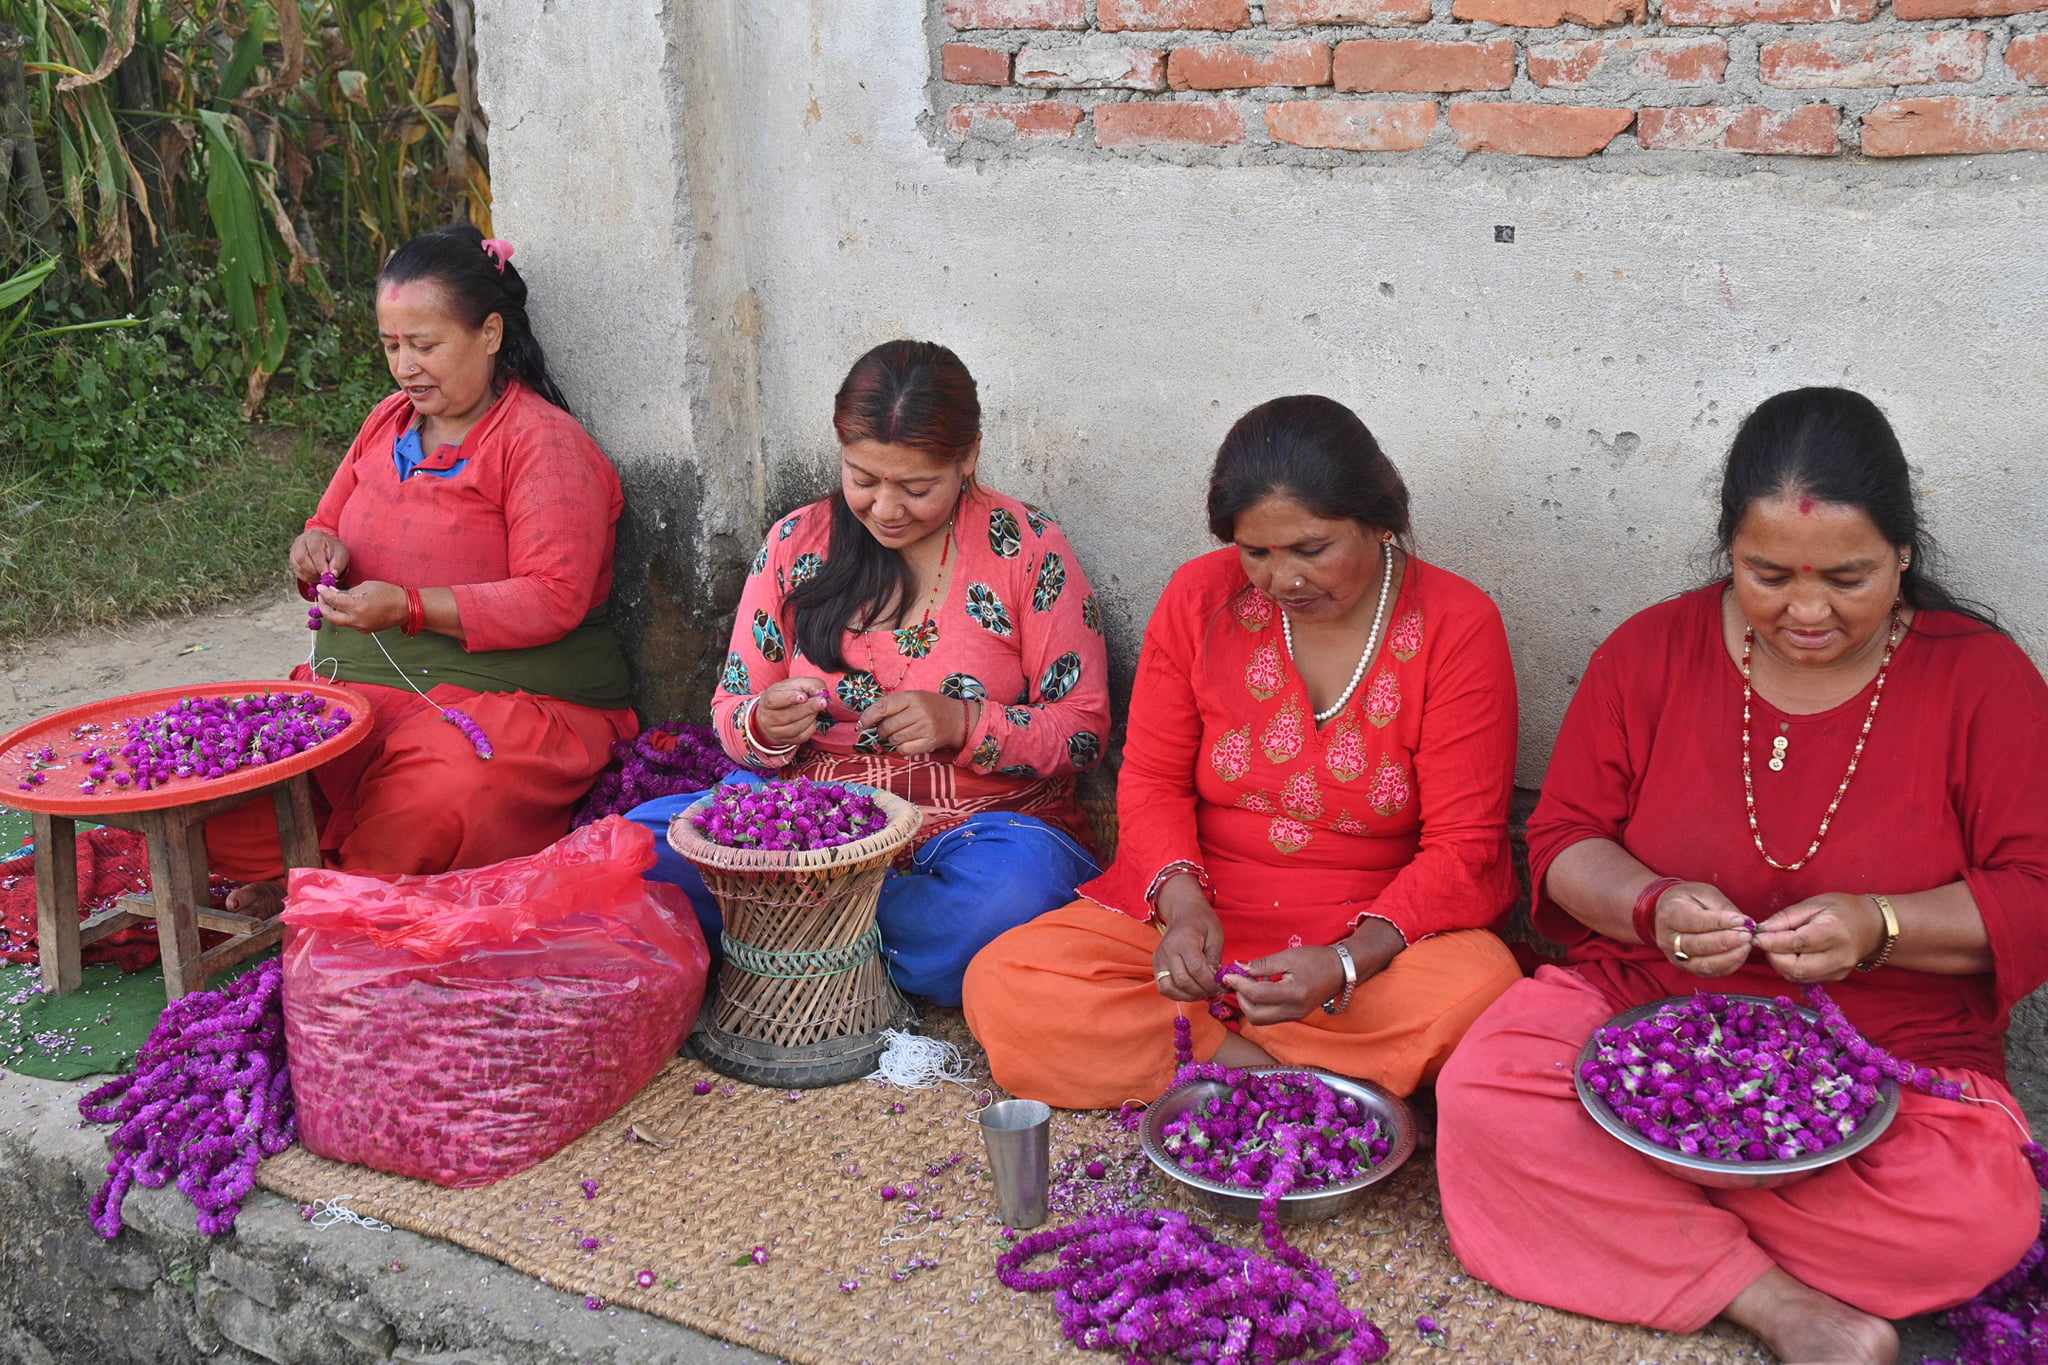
(1938,814)
(1320,753)
(470,530)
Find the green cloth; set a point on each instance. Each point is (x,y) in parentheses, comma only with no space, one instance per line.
(94,1031)
(15,826)
(586,666)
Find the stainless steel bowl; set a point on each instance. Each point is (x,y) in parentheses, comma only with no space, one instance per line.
(1304,1206)
(1728,1175)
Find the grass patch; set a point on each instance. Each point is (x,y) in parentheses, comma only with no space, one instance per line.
(73,559)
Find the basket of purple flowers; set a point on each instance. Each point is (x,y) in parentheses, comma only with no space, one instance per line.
(796,868)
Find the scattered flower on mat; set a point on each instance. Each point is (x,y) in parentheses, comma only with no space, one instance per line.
(645,1279)
(1096,1170)
(590,1244)
(593,1303)
(888,1193)
(702,1087)
(1427,1325)
(590,1189)
(848,1286)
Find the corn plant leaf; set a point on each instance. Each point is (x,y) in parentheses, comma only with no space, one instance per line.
(117,22)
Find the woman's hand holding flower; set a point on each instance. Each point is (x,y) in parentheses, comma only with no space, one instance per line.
(315,553)
(920,722)
(367,607)
(1293,984)
(1186,960)
(1695,918)
(787,713)
(1821,938)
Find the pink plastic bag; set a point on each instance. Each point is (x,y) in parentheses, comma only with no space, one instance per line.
(460,1028)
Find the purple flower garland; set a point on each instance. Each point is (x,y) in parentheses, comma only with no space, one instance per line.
(209,1098)
(663,760)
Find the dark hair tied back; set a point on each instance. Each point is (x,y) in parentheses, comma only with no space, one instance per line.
(1835,446)
(454,258)
(901,393)
(1315,450)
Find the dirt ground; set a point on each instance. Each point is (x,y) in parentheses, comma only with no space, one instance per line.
(260,638)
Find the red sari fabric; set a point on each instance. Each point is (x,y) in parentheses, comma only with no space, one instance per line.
(1019,630)
(1396,808)
(1948,789)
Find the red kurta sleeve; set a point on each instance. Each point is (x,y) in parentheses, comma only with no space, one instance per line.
(1463,875)
(1062,728)
(2005,820)
(562,499)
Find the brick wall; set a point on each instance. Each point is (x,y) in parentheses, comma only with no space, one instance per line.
(1350,79)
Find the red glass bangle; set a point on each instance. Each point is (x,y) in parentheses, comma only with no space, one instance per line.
(415,612)
(1646,909)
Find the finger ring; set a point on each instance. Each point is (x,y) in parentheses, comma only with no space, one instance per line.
(1162,974)
(1678,953)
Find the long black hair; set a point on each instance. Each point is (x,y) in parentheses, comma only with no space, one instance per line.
(904,393)
(1835,446)
(1317,451)
(454,258)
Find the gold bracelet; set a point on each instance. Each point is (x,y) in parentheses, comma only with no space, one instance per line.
(1891,935)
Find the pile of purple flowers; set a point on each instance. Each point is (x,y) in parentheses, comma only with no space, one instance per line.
(209,1098)
(1242,1138)
(664,760)
(210,737)
(791,816)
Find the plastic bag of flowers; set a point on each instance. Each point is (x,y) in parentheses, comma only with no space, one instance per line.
(460,1028)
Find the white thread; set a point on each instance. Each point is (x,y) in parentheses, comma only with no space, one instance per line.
(333,1212)
(910,1061)
(401,675)
(1974,1099)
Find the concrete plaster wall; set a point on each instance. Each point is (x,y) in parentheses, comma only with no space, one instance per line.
(723,203)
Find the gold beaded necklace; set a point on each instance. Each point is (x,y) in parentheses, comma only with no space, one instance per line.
(1891,643)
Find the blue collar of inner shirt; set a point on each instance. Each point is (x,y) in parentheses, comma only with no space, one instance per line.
(445,462)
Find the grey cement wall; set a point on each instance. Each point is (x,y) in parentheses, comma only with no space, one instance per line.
(721,204)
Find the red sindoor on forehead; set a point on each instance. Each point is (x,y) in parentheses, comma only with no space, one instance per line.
(1805,507)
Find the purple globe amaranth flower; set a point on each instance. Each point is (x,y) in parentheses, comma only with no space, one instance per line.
(796,815)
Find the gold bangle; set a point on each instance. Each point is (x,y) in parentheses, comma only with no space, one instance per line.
(1891,935)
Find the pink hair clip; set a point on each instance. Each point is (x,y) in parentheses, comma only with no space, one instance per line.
(499,250)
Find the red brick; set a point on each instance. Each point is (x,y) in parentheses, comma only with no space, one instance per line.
(1810,130)
(966,64)
(1965,9)
(1536,129)
(1017,13)
(1950,126)
(1092,68)
(1769,11)
(2027,58)
(1161,14)
(1030,118)
(1295,13)
(1897,59)
(1228,66)
(1551,13)
(1668,61)
(1352,125)
(1207,124)
(1412,65)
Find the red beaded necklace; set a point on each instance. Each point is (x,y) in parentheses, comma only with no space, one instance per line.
(908,639)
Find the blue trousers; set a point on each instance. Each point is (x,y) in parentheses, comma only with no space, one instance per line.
(970,884)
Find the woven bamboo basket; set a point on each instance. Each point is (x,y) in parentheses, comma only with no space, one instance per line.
(804,995)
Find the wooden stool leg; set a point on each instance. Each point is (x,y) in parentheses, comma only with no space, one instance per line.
(57,902)
(298,831)
(171,840)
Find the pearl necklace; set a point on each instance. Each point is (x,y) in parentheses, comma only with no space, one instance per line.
(1891,643)
(1372,641)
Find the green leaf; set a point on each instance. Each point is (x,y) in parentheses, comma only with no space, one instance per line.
(18,287)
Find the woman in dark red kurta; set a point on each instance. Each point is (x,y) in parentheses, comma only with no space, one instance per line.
(1942,817)
(471,528)
(1383,828)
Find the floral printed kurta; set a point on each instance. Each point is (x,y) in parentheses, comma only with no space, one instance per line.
(1397,807)
(1019,631)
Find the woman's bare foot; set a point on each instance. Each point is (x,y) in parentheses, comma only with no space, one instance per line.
(1237,1051)
(258,900)
(1803,1326)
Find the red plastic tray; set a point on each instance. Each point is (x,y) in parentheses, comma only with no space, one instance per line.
(59,794)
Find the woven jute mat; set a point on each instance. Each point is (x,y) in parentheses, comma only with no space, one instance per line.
(689,1184)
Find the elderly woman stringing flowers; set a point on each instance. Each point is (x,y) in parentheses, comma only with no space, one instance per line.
(466,538)
(1822,768)
(920,632)
(1313,803)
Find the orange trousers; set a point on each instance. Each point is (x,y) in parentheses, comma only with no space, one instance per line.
(1545,1206)
(1070,1014)
(415,798)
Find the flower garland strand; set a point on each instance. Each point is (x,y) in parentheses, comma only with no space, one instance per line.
(664,760)
(209,1098)
(455,716)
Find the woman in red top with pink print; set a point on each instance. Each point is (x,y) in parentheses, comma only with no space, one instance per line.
(469,535)
(1315,785)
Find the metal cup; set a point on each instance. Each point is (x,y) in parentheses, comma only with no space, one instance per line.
(1018,1135)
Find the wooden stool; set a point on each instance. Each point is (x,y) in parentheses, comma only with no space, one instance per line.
(178,886)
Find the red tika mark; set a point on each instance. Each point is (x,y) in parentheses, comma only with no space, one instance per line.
(1806,507)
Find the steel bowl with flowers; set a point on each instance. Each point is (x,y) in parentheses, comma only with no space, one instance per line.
(1215,1134)
(1733,1091)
